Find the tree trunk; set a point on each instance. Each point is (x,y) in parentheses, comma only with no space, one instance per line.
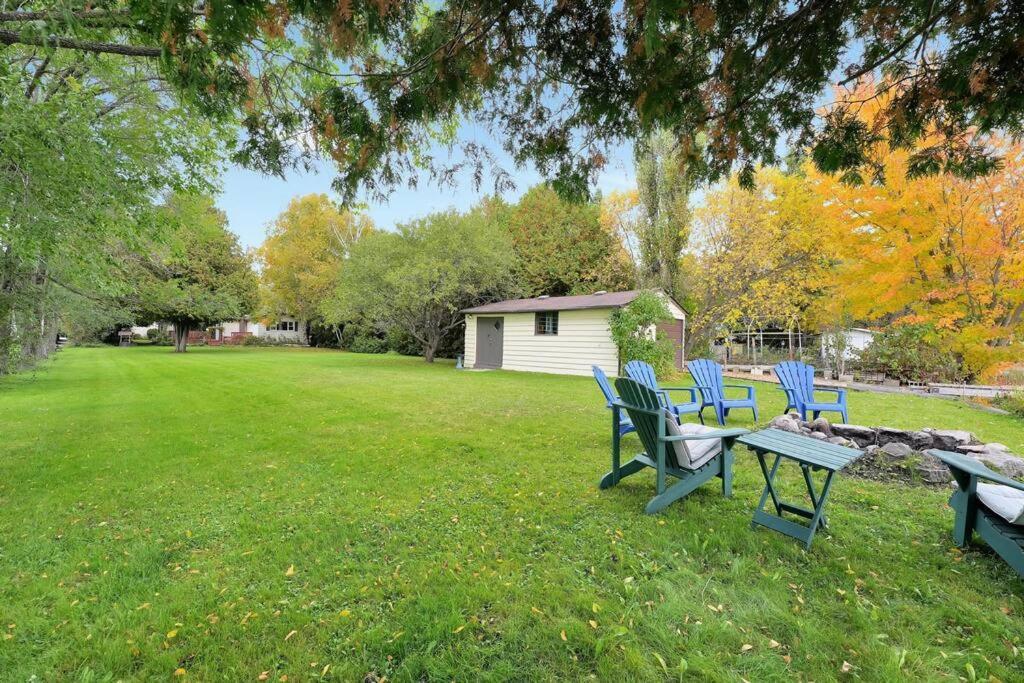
(180,336)
(429,349)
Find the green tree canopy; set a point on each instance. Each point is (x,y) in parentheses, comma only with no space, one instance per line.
(562,246)
(419,278)
(371,82)
(86,147)
(201,276)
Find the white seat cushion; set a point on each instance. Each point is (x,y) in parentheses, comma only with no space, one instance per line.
(1006,502)
(692,454)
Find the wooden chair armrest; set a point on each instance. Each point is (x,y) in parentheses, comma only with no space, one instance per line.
(716,434)
(974,468)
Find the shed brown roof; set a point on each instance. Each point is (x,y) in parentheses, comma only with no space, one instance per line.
(558,303)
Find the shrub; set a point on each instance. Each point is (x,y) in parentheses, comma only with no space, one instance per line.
(912,353)
(1012,403)
(368,344)
(634,330)
(158,337)
(404,343)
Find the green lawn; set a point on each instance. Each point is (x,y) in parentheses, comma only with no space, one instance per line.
(314,514)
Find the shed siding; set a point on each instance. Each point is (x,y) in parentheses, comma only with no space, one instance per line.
(470,349)
(583,339)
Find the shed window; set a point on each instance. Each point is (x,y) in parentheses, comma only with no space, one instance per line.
(546,323)
(285,326)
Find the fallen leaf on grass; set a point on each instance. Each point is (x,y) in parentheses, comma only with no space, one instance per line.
(179,672)
(846,667)
(563,637)
(747,647)
(773,643)
(593,624)
(291,571)
(264,675)
(172,634)
(290,634)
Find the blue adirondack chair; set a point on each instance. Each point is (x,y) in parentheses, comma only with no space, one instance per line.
(624,426)
(798,382)
(707,375)
(643,373)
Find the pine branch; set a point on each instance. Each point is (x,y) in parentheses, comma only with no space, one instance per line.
(15,38)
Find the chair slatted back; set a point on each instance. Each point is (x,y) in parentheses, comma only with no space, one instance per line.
(603,384)
(635,395)
(708,374)
(798,378)
(642,372)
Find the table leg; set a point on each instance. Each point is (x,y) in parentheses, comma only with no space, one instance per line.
(812,493)
(819,507)
(769,479)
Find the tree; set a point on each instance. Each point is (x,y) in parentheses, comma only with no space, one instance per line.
(759,256)
(86,144)
(421,277)
(202,276)
(662,231)
(303,255)
(937,249)
(370,83)
(562,246)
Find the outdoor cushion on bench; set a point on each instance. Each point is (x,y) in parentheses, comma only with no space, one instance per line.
(692,454)
(1006,502)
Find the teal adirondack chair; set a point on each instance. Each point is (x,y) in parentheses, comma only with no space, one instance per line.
(623,425)
(707,375)
(972,514)
(798,382)
(642,372)
(691,453)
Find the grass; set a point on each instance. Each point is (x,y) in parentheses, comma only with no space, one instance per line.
(244,514)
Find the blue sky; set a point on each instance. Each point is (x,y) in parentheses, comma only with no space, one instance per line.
(252,200)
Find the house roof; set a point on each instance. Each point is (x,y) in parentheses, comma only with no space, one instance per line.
(559,303)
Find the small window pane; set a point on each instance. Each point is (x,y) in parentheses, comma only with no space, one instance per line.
(546,323)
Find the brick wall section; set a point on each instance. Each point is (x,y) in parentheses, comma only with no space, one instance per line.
(674,331)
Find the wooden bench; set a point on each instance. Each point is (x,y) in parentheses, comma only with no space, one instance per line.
(972,515)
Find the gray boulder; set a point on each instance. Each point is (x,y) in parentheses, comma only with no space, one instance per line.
(933,470)
(949,439)
(821,425)
(862,436)
(840,441)
(920,440)
(785,423)
(890,435)
(1004,462)
(895,450)
(817,435)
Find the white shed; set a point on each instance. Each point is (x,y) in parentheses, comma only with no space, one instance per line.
(560,334)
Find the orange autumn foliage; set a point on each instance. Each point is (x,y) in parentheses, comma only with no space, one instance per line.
(937,249)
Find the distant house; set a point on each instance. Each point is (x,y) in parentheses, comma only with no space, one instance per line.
(285,330)
(855,340)
(560,334)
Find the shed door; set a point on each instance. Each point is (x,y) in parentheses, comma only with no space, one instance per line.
(489,342)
